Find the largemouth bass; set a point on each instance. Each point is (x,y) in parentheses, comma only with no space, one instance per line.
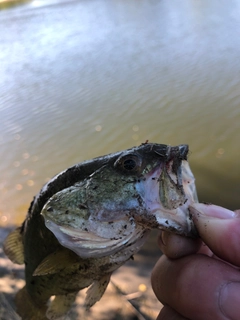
(90,219)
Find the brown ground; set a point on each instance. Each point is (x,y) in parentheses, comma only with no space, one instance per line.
(129,295)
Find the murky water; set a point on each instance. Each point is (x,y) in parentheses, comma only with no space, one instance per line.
(80,79)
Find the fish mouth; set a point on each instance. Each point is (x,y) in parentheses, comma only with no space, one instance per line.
(168,191)
(171,190)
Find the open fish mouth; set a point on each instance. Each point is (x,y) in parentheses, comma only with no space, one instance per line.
(168,191)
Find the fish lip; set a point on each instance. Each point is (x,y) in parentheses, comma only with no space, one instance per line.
(179,152)
(183,150)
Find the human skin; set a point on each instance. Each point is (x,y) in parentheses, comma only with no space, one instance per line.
(200,279)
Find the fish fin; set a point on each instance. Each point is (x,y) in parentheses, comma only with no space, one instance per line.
(13,246)
(56,262)
(96,291)
(26,307)
(6,309)
(60,306)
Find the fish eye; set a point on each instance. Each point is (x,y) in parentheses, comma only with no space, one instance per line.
(129,163)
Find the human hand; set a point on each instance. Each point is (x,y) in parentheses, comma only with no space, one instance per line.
(198,280)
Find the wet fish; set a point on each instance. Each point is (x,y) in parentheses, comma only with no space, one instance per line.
(90,219)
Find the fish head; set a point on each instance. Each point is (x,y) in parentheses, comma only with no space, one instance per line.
(146,187)
(160,187)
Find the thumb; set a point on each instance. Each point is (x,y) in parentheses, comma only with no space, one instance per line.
(219,229)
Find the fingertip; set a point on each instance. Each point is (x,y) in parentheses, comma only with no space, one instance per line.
(211,210)
(219,229)
(176,246)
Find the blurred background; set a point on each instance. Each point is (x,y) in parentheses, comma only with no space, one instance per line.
(80,79)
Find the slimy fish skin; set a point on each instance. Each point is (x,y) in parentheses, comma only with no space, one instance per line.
(91,218)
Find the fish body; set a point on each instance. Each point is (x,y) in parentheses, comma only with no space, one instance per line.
(90,219)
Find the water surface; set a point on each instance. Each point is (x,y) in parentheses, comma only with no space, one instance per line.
(79,79)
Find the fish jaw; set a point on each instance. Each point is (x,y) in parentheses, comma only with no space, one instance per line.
(172,215)
(90,245)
